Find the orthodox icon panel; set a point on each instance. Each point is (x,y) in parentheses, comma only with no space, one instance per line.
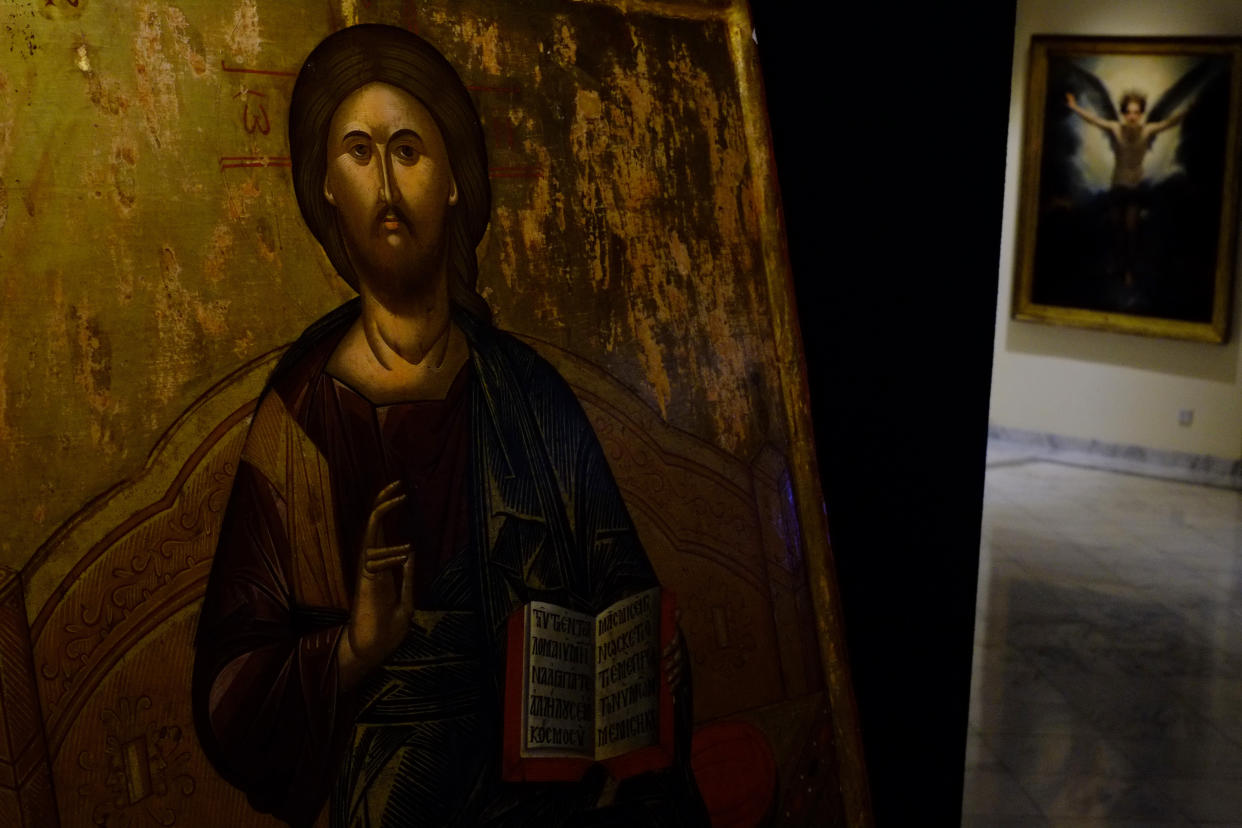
(474,310)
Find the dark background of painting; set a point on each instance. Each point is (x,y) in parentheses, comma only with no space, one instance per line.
(1077,263)
(889,129)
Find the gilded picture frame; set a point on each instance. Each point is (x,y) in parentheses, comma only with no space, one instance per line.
(1128,203)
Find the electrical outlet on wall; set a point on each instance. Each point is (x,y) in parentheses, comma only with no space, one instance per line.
(1185,416)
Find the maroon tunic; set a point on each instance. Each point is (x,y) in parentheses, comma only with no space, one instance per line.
(424,444)
(291,643)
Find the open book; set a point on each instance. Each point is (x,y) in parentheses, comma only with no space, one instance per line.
(581,689)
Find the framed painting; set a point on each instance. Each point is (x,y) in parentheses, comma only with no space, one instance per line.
(406,417)
(1128,211)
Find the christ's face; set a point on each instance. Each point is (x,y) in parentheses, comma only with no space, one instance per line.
(1133,113)
(390,181)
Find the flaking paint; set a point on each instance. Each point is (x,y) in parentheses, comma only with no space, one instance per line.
(137,272)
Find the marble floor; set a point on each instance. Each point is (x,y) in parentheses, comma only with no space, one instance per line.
(1107,682)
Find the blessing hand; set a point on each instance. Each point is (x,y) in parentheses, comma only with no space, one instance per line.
(384,592)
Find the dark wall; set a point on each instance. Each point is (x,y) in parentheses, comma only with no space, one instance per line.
(890,129)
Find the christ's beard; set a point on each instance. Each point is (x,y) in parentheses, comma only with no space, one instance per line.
(400,270)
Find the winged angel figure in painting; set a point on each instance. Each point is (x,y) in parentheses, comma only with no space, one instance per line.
(1124,187)
(1131,134)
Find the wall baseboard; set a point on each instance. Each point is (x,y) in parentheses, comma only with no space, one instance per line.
(1007,446)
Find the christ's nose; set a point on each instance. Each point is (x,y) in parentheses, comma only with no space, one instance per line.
(389,193)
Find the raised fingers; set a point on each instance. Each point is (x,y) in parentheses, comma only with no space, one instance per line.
(385,502)
(674,644)
(387,492)
(673,672)
(672,659)
(379,558)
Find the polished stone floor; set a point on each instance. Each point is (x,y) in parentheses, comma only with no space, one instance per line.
(1107,683)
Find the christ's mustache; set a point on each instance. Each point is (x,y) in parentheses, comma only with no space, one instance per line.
(390,211)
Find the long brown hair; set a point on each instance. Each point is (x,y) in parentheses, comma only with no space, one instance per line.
(350,59)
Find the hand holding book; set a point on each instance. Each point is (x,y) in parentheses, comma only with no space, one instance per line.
(672,659)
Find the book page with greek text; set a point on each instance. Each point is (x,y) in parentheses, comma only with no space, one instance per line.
(559,682)
(627,675)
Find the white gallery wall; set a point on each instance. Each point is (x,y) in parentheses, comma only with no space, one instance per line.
(1114,388)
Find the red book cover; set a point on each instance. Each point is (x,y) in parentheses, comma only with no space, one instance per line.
(517,767)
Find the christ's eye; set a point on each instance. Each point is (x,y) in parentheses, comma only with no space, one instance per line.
(405,153)
(360,151)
